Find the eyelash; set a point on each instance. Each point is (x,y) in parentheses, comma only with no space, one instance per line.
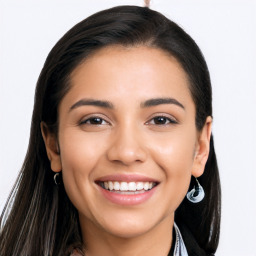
(100,120)
(93,118)
(163,117)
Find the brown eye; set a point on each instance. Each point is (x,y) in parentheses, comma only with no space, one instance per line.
(162,120)
(94,121)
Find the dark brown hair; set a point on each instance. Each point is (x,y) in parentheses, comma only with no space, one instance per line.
(33,222)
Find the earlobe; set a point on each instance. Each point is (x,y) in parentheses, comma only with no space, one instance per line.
(202,148)
(52,148)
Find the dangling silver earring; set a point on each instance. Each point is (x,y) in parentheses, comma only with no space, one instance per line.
(56,178)
(197,194)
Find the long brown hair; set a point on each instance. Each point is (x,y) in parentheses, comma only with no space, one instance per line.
(39,218)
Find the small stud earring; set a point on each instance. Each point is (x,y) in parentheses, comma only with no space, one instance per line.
(197,194)
(56,178)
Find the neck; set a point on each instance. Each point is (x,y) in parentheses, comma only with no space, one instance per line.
(156,241)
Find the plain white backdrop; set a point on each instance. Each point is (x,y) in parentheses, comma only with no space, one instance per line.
(226,33)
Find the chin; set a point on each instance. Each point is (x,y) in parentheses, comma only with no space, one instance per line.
(131,226)
(128,232)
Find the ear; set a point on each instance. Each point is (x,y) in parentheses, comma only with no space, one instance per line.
(202,148)
(52,148)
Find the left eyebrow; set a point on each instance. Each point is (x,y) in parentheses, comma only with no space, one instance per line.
(92,102)
(160,101)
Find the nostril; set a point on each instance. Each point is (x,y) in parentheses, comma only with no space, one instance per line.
(126,155)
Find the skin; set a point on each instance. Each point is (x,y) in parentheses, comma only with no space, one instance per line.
(128,140)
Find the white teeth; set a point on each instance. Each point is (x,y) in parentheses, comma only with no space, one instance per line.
(139,185)
(146,185)
(132,186)
(110,185)
(106,185)
(124,186)
(116,185)
(127,186)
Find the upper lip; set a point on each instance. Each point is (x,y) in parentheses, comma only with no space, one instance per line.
(127,178)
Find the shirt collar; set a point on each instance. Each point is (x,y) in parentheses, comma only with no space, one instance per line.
(180,248)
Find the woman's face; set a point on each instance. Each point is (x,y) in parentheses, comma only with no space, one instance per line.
(128,141)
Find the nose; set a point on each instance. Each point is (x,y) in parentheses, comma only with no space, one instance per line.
(127,147)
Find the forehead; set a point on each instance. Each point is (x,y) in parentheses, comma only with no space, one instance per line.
(143,56)
(129,72)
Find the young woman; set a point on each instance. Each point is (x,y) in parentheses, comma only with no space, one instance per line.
(121,158)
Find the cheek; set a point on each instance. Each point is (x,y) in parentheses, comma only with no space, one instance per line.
(79,156)
(175,152)
(80,152)
(175,156)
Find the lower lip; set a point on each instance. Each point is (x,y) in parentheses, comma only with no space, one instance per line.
(122,199)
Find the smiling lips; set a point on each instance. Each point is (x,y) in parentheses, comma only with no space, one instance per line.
(127,190)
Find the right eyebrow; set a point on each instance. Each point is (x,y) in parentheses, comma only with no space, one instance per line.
(92,102)
(160,101)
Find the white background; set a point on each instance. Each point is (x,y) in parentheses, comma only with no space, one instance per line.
(226,33)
